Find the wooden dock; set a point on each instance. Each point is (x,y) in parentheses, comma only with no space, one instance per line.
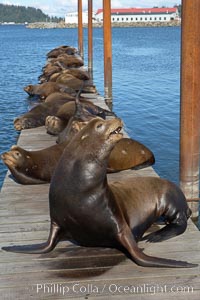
(71,271)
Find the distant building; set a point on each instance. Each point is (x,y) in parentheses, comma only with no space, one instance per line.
(72,17)
(140,14)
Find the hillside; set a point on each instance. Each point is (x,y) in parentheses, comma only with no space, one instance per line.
(22,14)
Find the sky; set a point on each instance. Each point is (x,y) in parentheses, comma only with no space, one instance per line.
(61,7)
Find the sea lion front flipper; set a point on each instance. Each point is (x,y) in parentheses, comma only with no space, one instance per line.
(171,230)
(126,239)
(54,237)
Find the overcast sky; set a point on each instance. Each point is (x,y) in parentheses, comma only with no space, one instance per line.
(60,7)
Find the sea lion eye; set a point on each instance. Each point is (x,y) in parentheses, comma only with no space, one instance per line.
(99,125)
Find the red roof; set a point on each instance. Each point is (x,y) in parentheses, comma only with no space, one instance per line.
(140,10)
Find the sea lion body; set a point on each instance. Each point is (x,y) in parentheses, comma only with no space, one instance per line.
(60,50)
(56,125)
(86,209)
(129,154)
(58,96)
(35,167)
(48,71)
(45,89)
(67,61)
(79,73)
(37,115)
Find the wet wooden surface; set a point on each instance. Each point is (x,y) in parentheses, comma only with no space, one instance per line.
(70,271)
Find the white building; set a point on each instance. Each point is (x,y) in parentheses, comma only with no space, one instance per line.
(140,14)
(72,17)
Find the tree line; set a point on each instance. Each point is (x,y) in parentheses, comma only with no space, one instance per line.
(22,14)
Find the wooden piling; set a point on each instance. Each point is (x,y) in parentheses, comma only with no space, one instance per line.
(190,102)
(80,28)
(107,50)
(90,39)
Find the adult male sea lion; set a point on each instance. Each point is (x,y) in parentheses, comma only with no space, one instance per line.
(86,209)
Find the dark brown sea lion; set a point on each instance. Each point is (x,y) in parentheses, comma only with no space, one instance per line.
(78,73)
(85,209)
(53,77)
(51,72)
(43,90)
(48,71)
(57,96)
(32,167)
(67,61)
(35,167)
(56,124)
(60,50)
(66,78)
(37,115)
(129,154)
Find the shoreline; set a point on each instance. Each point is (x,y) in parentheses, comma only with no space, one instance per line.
(62,25)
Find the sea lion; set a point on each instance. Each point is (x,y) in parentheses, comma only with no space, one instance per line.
(51,73)
(60,50)
(48,71)
(79,73)
(68,61)
(32,167)
(85,209)
(37,115)
(56,124)
(43,90)
(36,167)
(58,96)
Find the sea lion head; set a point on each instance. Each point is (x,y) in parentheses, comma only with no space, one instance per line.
(98,137)
(29,89)
(16,158)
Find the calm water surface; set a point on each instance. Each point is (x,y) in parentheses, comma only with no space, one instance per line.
(146,63)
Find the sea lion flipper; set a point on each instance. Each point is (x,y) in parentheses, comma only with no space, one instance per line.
(39,248)
(128,241)
(169,231)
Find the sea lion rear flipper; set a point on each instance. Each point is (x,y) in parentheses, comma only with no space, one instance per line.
(24,178)
(169,231)
(127,240)
(39,248)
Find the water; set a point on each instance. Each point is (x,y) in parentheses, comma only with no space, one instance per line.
(146,83)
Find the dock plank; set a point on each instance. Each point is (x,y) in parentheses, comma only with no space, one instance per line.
(24,219)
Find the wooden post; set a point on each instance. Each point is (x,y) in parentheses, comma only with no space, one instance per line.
(190,102)
(90,40)
(80,28)
(107,50)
